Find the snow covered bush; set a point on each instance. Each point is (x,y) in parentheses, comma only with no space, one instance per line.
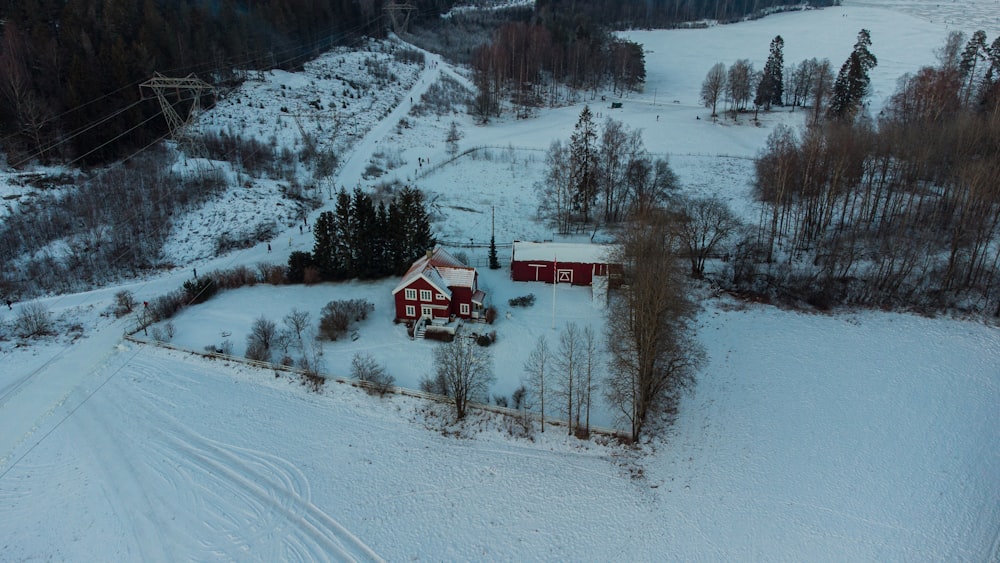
(33,320)
(337,316)
(365,368)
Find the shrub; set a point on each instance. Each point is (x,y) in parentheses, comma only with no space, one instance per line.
(365,368)
(337,316)
(124,303)
(434,333)
(522,301)
(483,340)
(199,290)
(500,400)
(491,314)
(33,320)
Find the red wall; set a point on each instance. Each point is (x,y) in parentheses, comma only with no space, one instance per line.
(525,271)
(458,295)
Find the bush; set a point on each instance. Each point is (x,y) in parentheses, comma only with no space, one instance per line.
(522,301)
(33,320)
(434,333)
(124,303)
(491,314)
(365,368)
(483,340)
(199,290)
(337,316)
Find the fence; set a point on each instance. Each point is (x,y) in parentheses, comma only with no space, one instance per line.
(506,411)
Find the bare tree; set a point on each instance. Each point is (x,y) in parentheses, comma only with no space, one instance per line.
(555,192)
(297,322)
(713,87)
(739,85)
(701,225)
(586,383)
(653,356)
(536,368)
(465,371)
(365,368)
(567,362)
(821,87)
(263,334)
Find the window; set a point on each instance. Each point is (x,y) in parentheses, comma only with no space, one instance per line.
(425,295)
(440,297)
(411,311)
(465,308)
(411,295)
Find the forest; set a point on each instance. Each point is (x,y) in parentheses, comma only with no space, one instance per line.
(898,209)
(70,70)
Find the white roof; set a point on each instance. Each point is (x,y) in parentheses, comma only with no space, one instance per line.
(582,253)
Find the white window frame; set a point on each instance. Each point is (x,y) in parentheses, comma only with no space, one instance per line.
(410,294)
(411,311)
(440,297)
(425,295)
(464,307)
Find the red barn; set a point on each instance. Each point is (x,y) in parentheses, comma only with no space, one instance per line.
(438,286)
(562,262)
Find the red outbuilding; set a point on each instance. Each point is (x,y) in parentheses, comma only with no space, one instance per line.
(439,286)
(562,262)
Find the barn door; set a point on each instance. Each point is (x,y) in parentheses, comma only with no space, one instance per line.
(564,276)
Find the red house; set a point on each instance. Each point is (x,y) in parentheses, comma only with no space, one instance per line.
(438,286)
(561,262)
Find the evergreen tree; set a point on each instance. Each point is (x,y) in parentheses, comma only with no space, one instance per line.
(851,85)
(364,236)
(324,254)
(494,261)
(415,228)
(973,66)
(342,237)
(770,89)
(583,163)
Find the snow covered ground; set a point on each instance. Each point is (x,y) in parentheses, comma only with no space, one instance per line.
(853,436)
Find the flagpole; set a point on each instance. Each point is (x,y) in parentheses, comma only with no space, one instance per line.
(555,280)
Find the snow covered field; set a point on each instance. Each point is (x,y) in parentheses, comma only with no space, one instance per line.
(854,436)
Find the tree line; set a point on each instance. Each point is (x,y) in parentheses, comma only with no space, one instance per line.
(603,173)
(364,239)
(527,63)
(57,58)
(898,210)
(639,14)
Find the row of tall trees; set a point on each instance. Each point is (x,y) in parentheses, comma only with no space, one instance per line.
(811,82)
(632,14)
(602,173)
(525,62)
(362,239)
(900,211)
(68,66)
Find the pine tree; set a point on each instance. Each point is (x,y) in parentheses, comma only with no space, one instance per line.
(323,254)
(343,229)
(494,261)
(414,225)
(851,85)
(364,236)
(583,163)
(973,66)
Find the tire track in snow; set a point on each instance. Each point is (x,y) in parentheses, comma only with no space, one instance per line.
(275,489)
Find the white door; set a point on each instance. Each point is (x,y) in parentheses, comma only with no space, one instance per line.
(426,311)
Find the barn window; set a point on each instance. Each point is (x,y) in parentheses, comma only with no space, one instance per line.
(411,295)
(465,308)
(425,295)
(411,311)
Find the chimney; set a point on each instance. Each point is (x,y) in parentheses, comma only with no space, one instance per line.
(430,252)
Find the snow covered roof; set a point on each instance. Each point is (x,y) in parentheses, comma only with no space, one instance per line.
(582,253)
(442,270)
